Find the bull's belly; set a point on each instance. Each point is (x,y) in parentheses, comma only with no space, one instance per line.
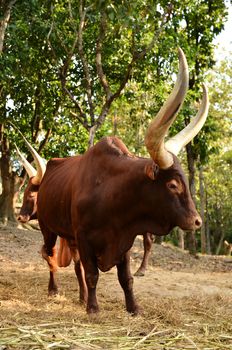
(113,253)
(105,261)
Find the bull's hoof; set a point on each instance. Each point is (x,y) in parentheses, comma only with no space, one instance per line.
(53,292)
(93,309)
(135,311)
(139,273)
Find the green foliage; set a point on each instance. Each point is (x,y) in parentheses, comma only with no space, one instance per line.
(218,170)
(40,47)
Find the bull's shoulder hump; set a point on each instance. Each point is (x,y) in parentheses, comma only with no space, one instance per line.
(112,145)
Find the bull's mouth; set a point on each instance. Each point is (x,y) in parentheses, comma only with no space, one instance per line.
(23,218)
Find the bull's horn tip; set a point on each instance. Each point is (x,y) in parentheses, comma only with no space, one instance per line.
(205,92)
(181,52)
(204,87)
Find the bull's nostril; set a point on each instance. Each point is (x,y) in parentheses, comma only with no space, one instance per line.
(198,222)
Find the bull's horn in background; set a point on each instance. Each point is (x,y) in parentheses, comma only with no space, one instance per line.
(28,167)
(176,143)
(158,128)
(39,162)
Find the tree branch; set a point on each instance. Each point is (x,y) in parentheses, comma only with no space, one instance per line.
(48,37)
(82,116)
(63,71)
(88,81)
(43,143)
(81,120)
(139,55)
(136,56)
(100,71)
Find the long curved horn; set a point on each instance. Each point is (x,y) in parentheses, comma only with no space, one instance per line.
(154,139)
(39,162)
(176,143)
(28,167)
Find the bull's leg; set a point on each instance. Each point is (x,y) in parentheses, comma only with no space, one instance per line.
(81,280)
(126,281)
(49,254)
(91,277)
(89,262)
(80,273)
(147,244)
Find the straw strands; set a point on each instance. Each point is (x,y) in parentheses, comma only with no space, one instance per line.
(184,307)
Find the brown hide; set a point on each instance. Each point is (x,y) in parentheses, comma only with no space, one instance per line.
(102,200)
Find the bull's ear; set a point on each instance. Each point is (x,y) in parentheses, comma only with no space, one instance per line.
(152,170)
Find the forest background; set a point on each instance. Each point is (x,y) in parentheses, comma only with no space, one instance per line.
(74,71)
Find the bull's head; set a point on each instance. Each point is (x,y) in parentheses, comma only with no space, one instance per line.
(180,209)
(28,210)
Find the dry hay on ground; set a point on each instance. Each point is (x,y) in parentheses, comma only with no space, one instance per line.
(187,302)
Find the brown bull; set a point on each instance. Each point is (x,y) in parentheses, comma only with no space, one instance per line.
(100,201)
(28,212)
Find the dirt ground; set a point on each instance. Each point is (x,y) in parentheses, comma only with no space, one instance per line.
(187,302)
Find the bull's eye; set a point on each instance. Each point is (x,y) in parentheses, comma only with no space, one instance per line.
(173,186)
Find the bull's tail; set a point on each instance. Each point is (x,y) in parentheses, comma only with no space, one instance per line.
(64,254)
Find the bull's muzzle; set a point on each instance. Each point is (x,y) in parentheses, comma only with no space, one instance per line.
(195,223)
(23,218)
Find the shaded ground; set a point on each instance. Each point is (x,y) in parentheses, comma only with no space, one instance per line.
(187,302)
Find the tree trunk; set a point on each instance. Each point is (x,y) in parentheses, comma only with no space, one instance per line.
(180,238)
(5,16)
(207,230)
(115,124)
(10,183)
(219,247)
(202,211)
(92,133)
(218,233)
(190,235)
